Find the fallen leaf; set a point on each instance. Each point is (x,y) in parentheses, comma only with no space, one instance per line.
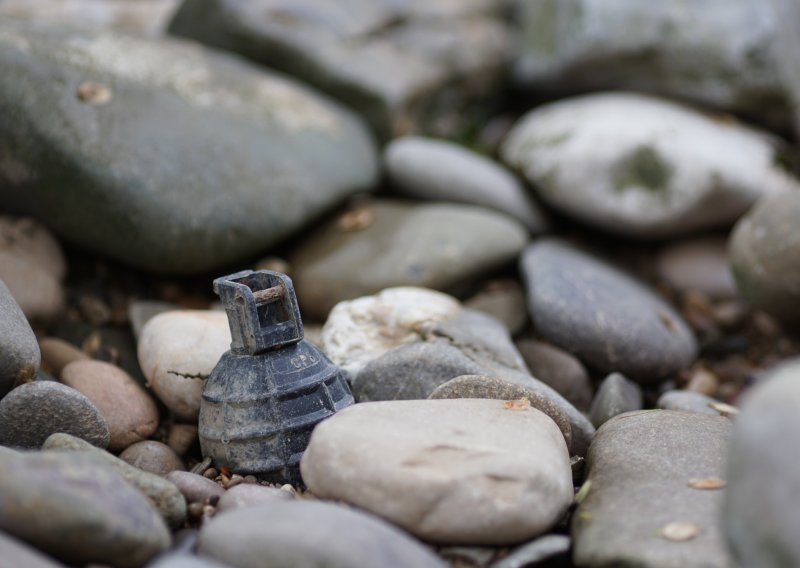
(680,531)
(707,483)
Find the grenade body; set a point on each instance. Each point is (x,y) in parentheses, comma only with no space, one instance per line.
(262,401)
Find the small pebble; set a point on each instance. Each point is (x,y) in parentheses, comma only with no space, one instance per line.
(57,354)
(250,495)
(153,456)
(195,488)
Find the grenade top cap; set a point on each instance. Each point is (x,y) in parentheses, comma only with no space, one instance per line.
(262,310)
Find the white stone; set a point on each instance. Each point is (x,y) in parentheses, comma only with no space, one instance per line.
(478,472)
(177,351)
(358,331)
(642,166)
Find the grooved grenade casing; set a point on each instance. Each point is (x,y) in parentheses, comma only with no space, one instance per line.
(267,393)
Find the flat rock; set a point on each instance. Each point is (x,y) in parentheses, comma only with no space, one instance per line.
(19,352)
(559,369)
(153,457)
(16,553)
(164,495)
(78,509)
(615,395)
(644,167)
(646,471)
(602,315)
(131,414)
(33,411)
(760,514)
(250,495)
(177,351)
(195,488)
(765,256)
(57,354)
(397,63)
(438,170)
(471,471)
(386,243)
(699,264)
(333,536)
(242,159)
(687,401)
(32,265)
(719,54)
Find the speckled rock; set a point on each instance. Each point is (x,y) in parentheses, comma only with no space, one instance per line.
(164,495)
(647,470)
(32,265)
(33,411)
(16,553)
(615,395)
(687,401)
(195,488)
(765,256)
(602,315)
(699,264)
(177,351)
(760,513)
(57,354)
(332,537)
(385,243)
(644,167)
(438,170)
(131,415)
(558,369)
(153,457)
(249,495)
(19,352)
(233,141)
(471,471)
(78,509)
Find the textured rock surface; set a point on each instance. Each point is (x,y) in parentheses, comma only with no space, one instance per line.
(242,158)
(605,317)
(615,395)
(471,471)
(644,167)
(387,243)
(19,352)
(78,509)
(33,411)
(438,170)
(558,369)
(177,351)
(643,470)
(760,513)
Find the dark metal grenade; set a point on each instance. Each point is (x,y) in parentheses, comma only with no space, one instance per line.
(267,393)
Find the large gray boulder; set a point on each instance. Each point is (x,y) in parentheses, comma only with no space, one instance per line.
(165,155)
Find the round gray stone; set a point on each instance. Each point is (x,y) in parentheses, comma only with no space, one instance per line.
(615,395)
(687,401)
(558,369)
(195,488)
(699,264)
(312,534)
(19,352)
(153,456)
(250,495)
(33,411)
(602,315)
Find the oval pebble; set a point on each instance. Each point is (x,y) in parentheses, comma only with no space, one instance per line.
(153,457)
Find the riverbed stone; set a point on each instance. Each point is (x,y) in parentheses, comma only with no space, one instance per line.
(78,509)
(688,401)
(129,411)
(58,353)
(558,369)
(153,456)
(386,243)
(250,495)
(16,553)
(32,265)
(405,66)
(333,536)
(164,495)
(551,547)
(615,395)
(698,265)
(33,411)
(177,351)
(765,257)
(471,471)
(505,301)
(644,167)
(601,314)
(233,142)
(439,170)
(195,488)
(19,352)
(646,471)
(759,513)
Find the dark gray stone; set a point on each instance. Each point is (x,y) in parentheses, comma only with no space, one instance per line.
(310,534)
(32,412)
(765,256)
(404,65)
(534,553)
(242,157)
(19,352)
(386,243)
(641,468)
(78,509)
(16,553)
(602,315)
(558,369)
(615,395)
(165,496)
(687,401)
(761,515)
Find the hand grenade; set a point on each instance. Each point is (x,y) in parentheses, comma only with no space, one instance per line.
(267,393)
